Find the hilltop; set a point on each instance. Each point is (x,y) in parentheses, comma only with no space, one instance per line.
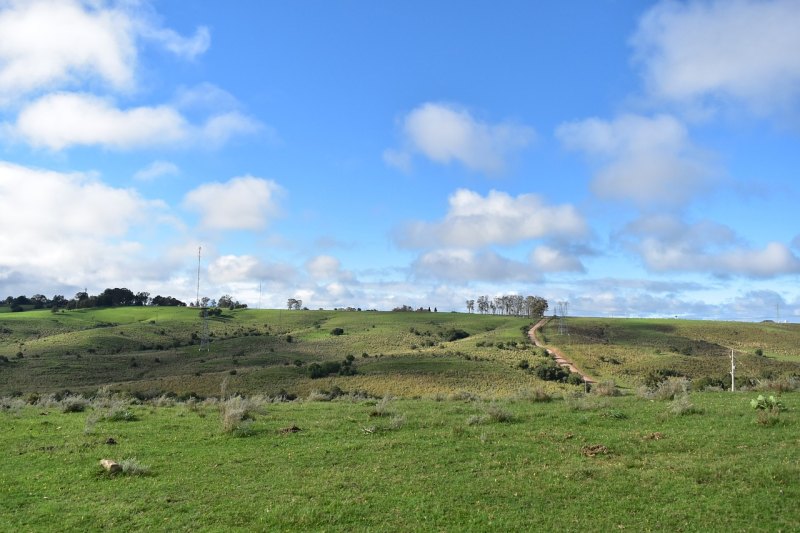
(155,350)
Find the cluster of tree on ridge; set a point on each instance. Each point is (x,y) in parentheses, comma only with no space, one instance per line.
(512,304)
(116,297)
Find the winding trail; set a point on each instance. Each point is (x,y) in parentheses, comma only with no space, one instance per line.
(557,355)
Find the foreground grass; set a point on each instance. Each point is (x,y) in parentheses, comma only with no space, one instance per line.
(422,465)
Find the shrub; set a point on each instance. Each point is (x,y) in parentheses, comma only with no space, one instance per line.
(668,389)
(654,377)
(464,396)
(475,420)
(454,334)
(132,467)
(759,352)
(549,371)
(337,331)
(321,370)
(575,379)
(683,406)
(237,415)
(537,394)
(381,408)
(707,383)
(605,388)
(780,385)
(498,414)
(523,364)
(73,403)
(397,422)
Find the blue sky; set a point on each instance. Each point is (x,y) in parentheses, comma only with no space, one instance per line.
(632,158)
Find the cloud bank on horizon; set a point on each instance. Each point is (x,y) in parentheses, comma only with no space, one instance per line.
(639,161)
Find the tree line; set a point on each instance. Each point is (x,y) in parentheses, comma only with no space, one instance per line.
(511,304)
(116,297)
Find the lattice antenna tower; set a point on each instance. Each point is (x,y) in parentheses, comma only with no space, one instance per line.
(561,310)
(204,337)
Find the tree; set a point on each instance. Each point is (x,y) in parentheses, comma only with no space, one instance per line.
(39,301)
(141,298)
(226,300)
(470,306)
(58,301)
(294,303)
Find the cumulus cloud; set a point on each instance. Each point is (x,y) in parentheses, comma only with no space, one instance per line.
(49,44)
(228,269)
(463,265)
(445,133)
(549,259)
(70,228)
(474,221)
(61,120)
(326,267)
(648,161)
(667,244)
(155,170)
(246,203)
(740,51)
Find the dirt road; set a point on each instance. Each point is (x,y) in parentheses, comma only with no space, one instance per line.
(557,355)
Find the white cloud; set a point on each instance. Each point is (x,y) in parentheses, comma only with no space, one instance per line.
(468,265)
(62,120)
(70,228)
(446,133)
(549,259)
(498,218)
(157,169)
(398,159)
(219,128)
(667,244)
(188,48)
(51,44)
(326,267)
(644,160)
(737,51)
(228,269)
(245,202)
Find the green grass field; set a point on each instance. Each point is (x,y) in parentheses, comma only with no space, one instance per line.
(581,464)
(470,441)
(154,350)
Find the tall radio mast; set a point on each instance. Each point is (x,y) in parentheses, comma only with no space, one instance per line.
(197,302)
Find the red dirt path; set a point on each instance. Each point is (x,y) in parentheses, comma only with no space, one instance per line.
(557,355)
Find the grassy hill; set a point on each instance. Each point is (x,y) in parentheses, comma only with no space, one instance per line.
(152,350)
(486,446)
(628,350)
(265,351)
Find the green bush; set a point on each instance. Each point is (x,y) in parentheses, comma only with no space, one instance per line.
(454,334)
(549,371)
(337,331)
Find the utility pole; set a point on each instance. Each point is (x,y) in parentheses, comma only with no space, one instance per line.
(733,372)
